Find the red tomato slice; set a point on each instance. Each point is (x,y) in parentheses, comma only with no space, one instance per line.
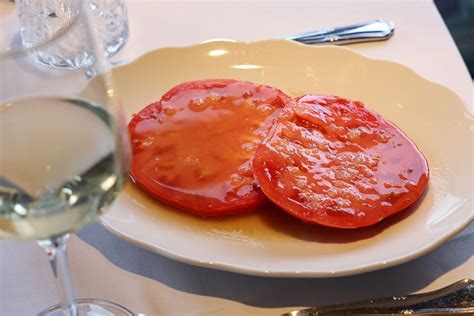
(193,148)
(330,161)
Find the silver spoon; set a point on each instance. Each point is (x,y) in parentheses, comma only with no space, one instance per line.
(457,298)
(373,30)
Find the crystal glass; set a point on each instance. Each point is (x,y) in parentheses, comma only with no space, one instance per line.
(40,19)
(64,147)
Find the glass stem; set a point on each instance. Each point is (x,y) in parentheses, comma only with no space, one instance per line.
(57,253)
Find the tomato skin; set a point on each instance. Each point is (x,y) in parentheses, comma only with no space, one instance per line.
(333,162)
(193,148)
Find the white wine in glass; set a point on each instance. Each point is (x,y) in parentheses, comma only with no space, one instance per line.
(60,173)
(63,145)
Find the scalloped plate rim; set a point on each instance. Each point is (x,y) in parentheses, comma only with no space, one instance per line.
(301,274)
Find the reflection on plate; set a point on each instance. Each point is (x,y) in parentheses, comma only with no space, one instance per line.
(269,242)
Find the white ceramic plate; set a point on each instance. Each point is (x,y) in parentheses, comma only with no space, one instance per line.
(269,242)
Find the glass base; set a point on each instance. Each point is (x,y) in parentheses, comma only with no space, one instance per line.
(90,307)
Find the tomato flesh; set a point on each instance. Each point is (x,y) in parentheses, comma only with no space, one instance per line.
(331,161)
(193,148)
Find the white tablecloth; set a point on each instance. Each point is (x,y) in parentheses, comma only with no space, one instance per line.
(103,266)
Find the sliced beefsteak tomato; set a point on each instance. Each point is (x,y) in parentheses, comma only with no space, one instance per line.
(193,148)
(331,161)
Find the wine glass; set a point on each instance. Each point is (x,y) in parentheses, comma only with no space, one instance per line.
(63,142)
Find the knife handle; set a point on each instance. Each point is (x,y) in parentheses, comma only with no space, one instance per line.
(457,298)
(373,30)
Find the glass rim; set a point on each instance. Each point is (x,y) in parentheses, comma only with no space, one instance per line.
(18,52)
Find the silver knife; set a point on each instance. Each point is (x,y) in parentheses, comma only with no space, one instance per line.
(457,298)
(373,30)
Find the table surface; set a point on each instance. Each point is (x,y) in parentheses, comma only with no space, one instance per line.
(104,266)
